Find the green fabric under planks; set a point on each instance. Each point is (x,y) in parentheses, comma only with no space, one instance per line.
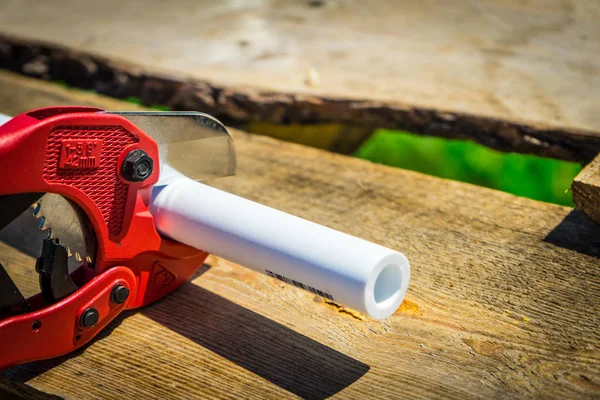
(523,175)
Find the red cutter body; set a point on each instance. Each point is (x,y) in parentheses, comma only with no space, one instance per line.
(77,152)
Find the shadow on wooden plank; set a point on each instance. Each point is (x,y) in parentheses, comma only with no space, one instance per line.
(10,390)
(577,232)
(278,354)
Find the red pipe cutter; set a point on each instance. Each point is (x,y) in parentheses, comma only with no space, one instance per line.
(89,174)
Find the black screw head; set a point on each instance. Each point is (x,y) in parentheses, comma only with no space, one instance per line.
(119,294)
(89,318)
(137,166)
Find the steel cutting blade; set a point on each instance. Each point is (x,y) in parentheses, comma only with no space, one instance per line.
(193,143)
(66,221)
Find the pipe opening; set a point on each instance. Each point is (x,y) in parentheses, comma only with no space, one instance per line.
(388,283)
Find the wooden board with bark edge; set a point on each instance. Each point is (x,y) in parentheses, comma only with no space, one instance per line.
(513,75)
(504,299)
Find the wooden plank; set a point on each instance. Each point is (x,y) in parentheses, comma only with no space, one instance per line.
(10,390)
(586,190)
(517,76)
(504,298)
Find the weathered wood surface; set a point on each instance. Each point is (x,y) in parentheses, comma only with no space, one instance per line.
(586,190)
(518,76)
(504,298)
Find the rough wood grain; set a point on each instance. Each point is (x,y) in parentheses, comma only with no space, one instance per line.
(513,75)
(586,190)
(504,300)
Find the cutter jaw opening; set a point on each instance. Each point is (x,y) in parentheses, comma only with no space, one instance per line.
(56,264)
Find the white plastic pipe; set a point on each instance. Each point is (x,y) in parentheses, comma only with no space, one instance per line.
(354,272)
(4,119)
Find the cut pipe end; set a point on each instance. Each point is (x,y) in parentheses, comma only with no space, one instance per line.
(387,286)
